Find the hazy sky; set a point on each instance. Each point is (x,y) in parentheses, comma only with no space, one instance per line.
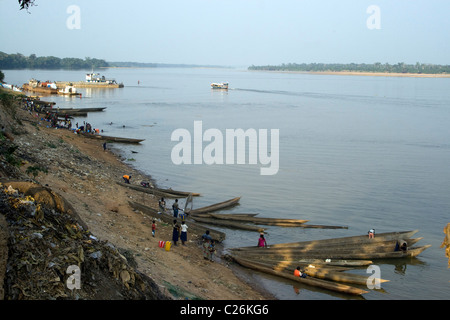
(231,32)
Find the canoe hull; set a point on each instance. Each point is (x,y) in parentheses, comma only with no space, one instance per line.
(337,287)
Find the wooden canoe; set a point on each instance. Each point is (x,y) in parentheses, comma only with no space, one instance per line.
(209,215)
(214,207)
(384,246)
(326,262)
(324,284)
(260,220)
(112,139)
(154,191)
(228,224)
(193,227)
(344,255)
(322,273)
(182,194)
(73,110)
(352,240)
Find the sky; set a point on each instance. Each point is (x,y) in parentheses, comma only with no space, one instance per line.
(231,32)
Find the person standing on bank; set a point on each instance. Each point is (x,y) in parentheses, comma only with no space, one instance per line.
(183,236)
(162,206)
(207,243)
(175,232)
(175,208)
(153,227)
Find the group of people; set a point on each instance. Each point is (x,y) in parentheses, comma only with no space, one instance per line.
(179,230)
(56,118)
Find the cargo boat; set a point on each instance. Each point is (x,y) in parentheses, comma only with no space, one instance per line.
(93,80)
(42,87)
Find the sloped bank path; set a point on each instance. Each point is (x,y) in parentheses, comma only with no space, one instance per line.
(79,170)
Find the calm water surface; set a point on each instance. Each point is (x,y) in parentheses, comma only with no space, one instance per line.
(362,152)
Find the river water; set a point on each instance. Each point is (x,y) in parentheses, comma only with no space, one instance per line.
(357,151)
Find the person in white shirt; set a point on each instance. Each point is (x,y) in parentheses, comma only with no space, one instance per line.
(183,235)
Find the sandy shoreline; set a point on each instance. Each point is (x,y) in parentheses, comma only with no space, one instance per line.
(86,176)
(366,74)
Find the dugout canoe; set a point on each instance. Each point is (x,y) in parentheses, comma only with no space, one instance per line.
(270,221)
(182,194)
(322,273)
(112,139)
(193,227)
(320,283)
(344,255)
(209,215)
(355,240)
(260,220)
(154,191)
(215,207)
(71,110)
(326,262)
(228,224)
(383,246)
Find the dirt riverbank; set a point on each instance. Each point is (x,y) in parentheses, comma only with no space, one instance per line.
(85,175)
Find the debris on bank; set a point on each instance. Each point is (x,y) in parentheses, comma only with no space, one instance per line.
(52,256)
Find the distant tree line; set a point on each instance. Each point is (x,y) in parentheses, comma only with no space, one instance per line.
(19,61)
(400,67)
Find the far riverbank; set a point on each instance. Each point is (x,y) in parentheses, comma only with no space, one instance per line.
(353,73)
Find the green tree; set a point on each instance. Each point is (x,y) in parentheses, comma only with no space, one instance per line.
(25,4)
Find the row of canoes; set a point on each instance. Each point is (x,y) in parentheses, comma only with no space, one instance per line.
(82,112)
(319,258)
(384,246)
(332,285)
(323,260)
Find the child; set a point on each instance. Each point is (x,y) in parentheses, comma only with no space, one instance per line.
(262,243)
(153,228)
(299,273)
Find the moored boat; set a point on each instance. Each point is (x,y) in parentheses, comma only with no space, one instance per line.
(261,220)
(219,85)
(351,240)
(228,224)
(214,207)
(74,110)
(156,192)
(93,80)
(42,87)
(112,139)
(356,254)
(320,283)
(69,91)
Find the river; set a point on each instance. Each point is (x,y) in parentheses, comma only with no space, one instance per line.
(358,151)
